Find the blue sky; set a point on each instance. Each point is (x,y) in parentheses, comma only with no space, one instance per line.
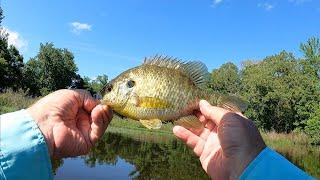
(111,36)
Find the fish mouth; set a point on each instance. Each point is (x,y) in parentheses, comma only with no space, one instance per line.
(118,114)
(114,105)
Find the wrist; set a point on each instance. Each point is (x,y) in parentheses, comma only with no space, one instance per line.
(249,158)
(44,125)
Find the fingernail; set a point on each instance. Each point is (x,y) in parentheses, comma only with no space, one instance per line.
(176,129)
(204,103)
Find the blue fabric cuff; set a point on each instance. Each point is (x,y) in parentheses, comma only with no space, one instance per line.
(23,150)
(271,165)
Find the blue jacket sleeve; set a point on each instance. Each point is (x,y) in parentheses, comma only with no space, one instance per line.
(23,150)
(271,165)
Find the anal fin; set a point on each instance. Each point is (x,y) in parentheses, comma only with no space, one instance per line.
(151,123)
(189,122)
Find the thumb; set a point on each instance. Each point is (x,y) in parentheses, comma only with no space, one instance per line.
(212,112)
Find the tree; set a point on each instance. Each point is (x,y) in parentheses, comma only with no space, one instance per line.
(311,51)
(280,95)
(1,15)
(313,126)
(11,62)
(52,69)
(226,79)
(95,85)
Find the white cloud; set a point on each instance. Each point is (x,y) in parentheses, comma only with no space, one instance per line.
(15,39)
(267,6)
(78,27)
(216,3)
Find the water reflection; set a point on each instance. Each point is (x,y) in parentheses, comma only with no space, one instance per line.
(75,168)
(136,155)
(133,158)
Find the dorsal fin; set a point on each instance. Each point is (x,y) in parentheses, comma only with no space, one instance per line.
(196,70)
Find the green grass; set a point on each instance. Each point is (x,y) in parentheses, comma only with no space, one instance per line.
(296,147)
(12,101)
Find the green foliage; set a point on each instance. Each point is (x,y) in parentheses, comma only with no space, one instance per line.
(95,85)
(11,64)
(280,95)
(311,50)
(52,69)
(226,79)
(313,127)
(281,91)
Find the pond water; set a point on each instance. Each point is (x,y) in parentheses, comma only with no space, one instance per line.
(136,155)
(122,157)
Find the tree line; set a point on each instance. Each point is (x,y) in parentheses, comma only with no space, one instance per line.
(51,69)
(282,91)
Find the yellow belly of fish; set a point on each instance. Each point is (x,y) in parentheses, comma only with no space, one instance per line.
(147,108)
(138,113)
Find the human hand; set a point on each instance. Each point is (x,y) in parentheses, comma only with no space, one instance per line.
(227,144)
(71,121)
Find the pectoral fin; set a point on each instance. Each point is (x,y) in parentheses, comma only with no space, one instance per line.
(189,122)
(152,102)
(151,123)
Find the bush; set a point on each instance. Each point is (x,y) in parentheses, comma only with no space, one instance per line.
(313,127)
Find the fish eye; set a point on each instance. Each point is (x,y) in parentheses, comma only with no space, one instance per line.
(131,83)
(109,88)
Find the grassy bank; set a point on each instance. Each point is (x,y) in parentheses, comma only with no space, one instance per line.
(12,101)
(296,148)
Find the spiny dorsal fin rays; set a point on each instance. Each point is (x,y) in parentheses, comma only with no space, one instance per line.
(196,70)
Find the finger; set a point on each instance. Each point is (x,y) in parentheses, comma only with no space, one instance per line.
(83,125)
(205,133)
(86,101)
(208,123)
(192,140)
(212,112)
(101,116)
(201,117)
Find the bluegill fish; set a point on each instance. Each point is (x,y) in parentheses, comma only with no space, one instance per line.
(164,89)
